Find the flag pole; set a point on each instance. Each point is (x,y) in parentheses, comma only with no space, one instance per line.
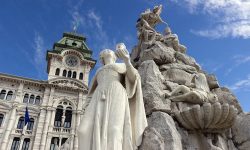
(26,119)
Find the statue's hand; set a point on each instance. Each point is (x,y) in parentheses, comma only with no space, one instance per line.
(122,52)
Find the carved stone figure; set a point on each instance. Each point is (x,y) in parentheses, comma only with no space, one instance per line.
(146,35)
(197,94)
(153,17)
(172,41)
(115,117)
(145,29)
(174,85)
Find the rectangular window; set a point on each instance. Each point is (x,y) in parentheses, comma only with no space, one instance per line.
(15,144)
(26,144)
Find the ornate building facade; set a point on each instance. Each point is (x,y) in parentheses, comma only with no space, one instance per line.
(54,106)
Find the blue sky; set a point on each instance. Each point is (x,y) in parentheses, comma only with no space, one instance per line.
(216,33)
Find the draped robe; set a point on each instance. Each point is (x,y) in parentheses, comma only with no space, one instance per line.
(115,117)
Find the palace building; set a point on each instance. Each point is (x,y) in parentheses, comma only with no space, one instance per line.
(55,106)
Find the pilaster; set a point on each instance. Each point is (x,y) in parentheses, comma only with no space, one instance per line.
(9,128)
(19,93)
(47,119)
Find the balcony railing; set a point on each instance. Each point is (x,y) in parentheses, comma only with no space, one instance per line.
(20,131)
(61,129)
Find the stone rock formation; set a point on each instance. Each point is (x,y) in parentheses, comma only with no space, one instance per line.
(186,107)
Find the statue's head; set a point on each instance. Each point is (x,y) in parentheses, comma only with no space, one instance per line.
(167,31)
(157,9)
(107,56)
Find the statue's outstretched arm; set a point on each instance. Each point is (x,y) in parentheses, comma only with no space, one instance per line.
(123,53)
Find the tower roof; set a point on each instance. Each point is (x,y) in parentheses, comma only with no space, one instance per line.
(75,41)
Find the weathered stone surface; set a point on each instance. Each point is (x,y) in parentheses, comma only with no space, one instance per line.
(212,81)
(163,124)
(241,131)
(184,67)
(203,111)
(152,140)
(188,60)
(226,96)
(178,76)
(152,87)
(169,85)
(160,53)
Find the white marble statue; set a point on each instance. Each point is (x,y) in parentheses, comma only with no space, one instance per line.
(115,116)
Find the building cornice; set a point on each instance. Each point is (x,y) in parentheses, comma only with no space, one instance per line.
(38,83)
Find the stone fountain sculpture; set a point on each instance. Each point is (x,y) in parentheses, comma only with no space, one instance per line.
(185,106)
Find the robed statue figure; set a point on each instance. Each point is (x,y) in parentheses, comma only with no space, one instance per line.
(115,116)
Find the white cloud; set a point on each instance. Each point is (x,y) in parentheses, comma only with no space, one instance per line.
(96,24)
(74,11)
(241,84)
(238,60)
(91,23)
(231,18)
(97,19)
(39,56)
(39,45)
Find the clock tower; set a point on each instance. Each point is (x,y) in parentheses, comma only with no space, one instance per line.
(69,62)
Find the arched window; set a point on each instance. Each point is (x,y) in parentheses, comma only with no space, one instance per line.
(26,98)
(57,72)
(15,144)
(32,99)
(81,76)
(26,144)
(9,95)
(2,94)
(64,73)
(63,141)
(54,143)
(68,115)
(37,101)
(1,119)
(30,124)
(58,116)
(74,75)
(69,74)
(20,123)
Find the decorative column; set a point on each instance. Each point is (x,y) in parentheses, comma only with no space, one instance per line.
(9,128)
(47,119)
(41,119)
(75,135)
(52,119)
(73,122)
(48,142)
(86,74)
(39,130)
(72,139)
(21,143)
(19,93)
(77,117)
(45,129)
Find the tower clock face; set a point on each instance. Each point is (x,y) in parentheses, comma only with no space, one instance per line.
(71,61)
